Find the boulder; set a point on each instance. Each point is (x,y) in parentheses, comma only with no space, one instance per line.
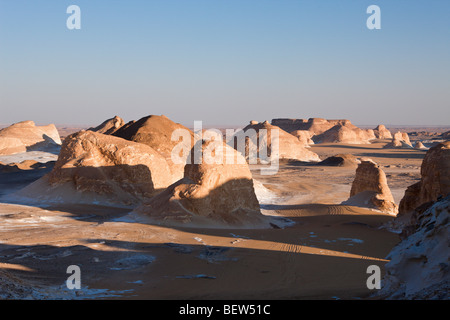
(26,136)
(156,132)
(97,168)
(220,192)
(435,179)
(370,188)
(109,126)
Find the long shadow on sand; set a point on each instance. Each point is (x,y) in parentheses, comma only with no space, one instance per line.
(141,270)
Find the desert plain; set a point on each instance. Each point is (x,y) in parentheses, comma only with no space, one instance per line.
(318,246)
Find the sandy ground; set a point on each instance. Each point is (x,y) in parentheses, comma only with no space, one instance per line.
(323,254)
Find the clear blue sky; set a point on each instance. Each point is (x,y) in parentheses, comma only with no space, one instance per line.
(225,61)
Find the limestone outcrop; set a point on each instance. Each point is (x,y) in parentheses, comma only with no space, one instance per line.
(303,136)
(261,144)
(370,188)
(219,192)
(98,168)
(435,179)
(345,133)
(419,264)
(420,146)
(382,133)
(402,136)
(109,126)
(156,132)
(26,136)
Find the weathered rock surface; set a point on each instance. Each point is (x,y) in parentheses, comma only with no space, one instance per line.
(419,265)
(435,179)
(93,167)
(109,126)
(209,192)
(156,132)
(26,136)
(370,188)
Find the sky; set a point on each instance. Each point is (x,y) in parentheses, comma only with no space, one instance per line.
(225,62)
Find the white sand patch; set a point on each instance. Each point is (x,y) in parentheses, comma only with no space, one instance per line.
(38,156)
(264,195)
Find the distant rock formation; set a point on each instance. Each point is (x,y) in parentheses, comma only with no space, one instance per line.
(209,192)
(397,144)
(382,133)
(402,136)
(419,146)
(303,136)
(341,160)
(109,126)
(260,142)
(370,188)
(314,125)
(345,133)
(97,168)
(419,264)
(435,179)
(327,131)
(26,136)
(156,132)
